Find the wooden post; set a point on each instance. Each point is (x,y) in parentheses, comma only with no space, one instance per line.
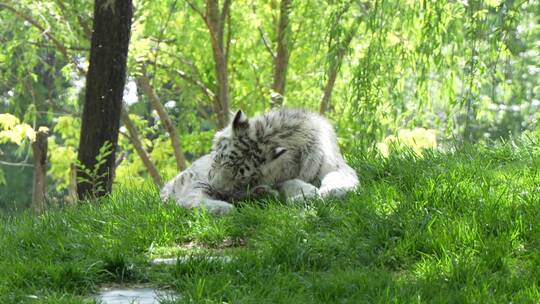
(39,148)
(72,190)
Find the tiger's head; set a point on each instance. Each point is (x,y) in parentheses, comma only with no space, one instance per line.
(239,159)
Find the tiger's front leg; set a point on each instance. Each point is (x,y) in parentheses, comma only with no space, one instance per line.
(198,199)
(338,183)
(217,207)
(184,190)
(296,190)
(264,191)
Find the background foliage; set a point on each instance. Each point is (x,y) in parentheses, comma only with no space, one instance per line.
(461,70)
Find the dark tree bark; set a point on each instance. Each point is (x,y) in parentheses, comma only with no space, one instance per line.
(104,91)
(281,60)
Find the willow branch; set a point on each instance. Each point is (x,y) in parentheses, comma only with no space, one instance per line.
(59,45)
(161,35)
(266,43)
(197,83)
(84,25)
(197,10)
(335,68)
(210,95)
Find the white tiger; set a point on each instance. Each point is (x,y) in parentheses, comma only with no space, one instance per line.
(292,151)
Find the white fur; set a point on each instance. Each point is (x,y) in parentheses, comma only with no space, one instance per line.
(312,155)
(311,167)
(296,190)
(183,188)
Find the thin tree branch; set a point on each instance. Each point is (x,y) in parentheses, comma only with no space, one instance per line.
(228,39)
(264,36)
(59,46)
(187,63)
(334,69)
(197,10)
(33,22)
(171,41)
(69,48)
(211,96)
(84,25)
(144,84)
(161,34)
(266,43)
(223,16)
(200,85)
(200,109)
(209,93)
(5,163)
(139,148)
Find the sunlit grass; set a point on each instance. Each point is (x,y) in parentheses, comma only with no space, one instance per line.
(455,227)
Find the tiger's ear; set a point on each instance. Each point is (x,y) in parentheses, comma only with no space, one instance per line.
(278,152)
(240,122)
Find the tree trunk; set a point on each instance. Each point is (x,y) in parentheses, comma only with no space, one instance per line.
(215,21)
(328,89)
(334,68)
(144,84)
(39,148)
(281,61)
(105,82)
(137,144)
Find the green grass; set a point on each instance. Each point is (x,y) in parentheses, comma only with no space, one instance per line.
(446,228)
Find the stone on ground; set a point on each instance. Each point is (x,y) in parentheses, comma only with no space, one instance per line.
(128,295)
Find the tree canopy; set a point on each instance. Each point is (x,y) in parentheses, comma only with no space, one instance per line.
(453,71)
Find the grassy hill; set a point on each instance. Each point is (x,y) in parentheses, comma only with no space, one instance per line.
(452,227)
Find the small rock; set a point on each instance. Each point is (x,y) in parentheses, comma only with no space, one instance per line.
(185,259)
(133,295)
